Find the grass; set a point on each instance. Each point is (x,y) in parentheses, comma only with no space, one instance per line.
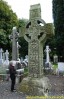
(55,66)
(26,71)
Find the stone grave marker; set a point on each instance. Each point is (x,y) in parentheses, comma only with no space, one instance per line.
(7,55)
(21,59)
(55,59)
(18,46)
(35,34)
(6,62)
(47,50)
(47,63)
(1,56)
(14,38)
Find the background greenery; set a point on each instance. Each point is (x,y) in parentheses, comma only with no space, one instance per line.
(58,15)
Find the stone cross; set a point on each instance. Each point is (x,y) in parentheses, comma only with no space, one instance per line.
(18,46)
(47,50)
(21,59)
(14,37)
(1,52)
(1,56)
(55,58)
(6,55)
(26,57)
(6,61)
(35,35)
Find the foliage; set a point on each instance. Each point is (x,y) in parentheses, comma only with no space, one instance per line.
(22,22)
(55,66)
(24,45)
(58,15)
(8,19)
(3,40)
(26,71)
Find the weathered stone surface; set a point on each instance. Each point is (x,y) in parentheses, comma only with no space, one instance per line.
(35,34)
(14,38)
(35,61)
(35,86)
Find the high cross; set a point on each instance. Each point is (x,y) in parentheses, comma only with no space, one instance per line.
(35,33)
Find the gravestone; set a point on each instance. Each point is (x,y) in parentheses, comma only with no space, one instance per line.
(47,50)
(14,38)
(47,63)
(55,59)
(26,58)
(6,62)
(1,56)
(21,59)
(35,34)
(25,62)
(18,46)
(7,55)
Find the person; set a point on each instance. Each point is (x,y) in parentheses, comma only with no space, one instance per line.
(12,72)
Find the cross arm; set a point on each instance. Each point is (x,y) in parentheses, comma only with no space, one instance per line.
(46,31)
(49,28)
(21,31)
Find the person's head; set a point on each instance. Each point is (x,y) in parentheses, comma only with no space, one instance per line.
(11,63)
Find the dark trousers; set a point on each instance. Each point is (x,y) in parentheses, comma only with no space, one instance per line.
(12,83)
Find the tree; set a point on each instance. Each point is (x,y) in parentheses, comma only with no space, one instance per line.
(3,39)
(24,45)
(8,19)
(58,15)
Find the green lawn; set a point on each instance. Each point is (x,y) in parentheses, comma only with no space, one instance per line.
(55,66)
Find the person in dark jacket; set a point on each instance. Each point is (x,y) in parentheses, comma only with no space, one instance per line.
(12,72)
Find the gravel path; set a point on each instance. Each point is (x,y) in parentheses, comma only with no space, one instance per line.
(57,89)
(5,92)
(57,83)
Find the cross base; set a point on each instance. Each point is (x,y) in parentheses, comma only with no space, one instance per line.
(35,86)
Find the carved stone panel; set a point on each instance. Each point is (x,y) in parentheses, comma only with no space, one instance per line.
(34,57)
